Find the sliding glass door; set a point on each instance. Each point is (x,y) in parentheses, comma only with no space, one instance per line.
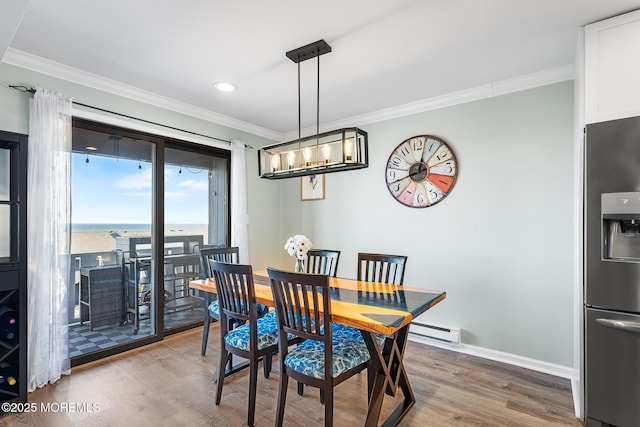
(196,214)
(141,207)
(111,243)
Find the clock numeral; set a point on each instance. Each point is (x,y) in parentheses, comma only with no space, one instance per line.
(431,146)
(417,144)
(406,197)
(396,175)
(446,168)
(433,193)
(397,162)
(398,187)
(421,199)
(405,152)
(441,155)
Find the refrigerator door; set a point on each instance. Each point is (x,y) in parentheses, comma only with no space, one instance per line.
(613,367)
(612,165)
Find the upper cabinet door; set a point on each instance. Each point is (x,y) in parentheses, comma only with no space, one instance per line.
(612,68)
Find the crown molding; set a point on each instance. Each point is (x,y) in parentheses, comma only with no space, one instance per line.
(74,75)
(502,87)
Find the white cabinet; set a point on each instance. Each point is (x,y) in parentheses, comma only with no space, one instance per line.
(612,68)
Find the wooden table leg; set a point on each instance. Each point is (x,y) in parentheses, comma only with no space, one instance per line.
(389,375)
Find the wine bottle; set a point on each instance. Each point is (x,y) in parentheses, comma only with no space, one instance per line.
(8,377)
(8,324)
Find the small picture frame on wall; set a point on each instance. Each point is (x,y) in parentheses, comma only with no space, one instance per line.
(312,187)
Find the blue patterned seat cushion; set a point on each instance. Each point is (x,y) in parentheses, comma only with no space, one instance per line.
(214,310)
(308,357)
(353,333)
(267,333)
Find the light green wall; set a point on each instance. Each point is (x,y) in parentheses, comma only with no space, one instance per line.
(500,244)
(263,199)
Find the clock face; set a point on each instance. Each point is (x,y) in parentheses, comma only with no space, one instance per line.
(421,171)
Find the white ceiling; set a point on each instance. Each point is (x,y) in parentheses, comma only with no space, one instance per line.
(385,53)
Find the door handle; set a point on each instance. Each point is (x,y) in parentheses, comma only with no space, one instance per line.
(620,324)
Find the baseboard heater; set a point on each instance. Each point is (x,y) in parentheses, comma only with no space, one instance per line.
(440,333)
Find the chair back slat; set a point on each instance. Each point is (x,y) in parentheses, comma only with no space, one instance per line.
(323,261)
(235,290)
(381,268)
(303,304)
(229,255)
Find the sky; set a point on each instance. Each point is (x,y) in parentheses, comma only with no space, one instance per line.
(107,190)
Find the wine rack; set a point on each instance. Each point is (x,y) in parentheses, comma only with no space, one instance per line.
(13,268)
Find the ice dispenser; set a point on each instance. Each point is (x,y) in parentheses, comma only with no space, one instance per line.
(621,226)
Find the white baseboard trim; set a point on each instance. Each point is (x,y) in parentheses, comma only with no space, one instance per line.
(576,391)
(511,359)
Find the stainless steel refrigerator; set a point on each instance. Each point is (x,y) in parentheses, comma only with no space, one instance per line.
(612,273)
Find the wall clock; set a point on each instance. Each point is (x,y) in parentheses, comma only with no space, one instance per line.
(421,171)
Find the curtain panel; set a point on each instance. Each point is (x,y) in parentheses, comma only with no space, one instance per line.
(49,237)
(239,214)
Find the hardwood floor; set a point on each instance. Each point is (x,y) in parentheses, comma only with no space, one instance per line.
(169,384)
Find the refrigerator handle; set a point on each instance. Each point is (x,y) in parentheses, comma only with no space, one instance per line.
(619,324)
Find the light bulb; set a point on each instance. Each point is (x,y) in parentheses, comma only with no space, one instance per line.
(307,156)
(275,162)
(347,149)
(291,157)
(326,151)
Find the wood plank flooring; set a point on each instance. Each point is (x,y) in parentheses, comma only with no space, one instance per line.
(169,384)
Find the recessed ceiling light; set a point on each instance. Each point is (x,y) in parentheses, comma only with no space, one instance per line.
(91,148)
(225,86)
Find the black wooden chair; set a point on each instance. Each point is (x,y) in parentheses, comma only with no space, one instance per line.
(381,268)
(207,253)
(323,261)
(256,338)
(312,361)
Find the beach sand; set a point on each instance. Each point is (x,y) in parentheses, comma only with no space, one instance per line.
(102,241)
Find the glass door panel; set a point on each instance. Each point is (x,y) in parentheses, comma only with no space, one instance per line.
(113,287)
(196,214)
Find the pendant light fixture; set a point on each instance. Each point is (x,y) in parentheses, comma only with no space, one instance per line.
(334,151)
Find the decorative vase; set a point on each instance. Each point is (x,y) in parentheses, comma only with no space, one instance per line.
(299,266)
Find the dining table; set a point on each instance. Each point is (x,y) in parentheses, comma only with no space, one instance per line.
(376,309)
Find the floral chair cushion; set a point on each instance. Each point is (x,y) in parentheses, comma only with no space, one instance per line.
(353,333)
(214,310)
(308,357)
(267,333)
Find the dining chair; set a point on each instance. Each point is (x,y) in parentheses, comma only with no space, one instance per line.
(255,339)
(303,308)
(221,254)
(323,261)
(207,253)
(381,268)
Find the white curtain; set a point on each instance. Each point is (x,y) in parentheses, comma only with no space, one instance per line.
(239,214)
(48,230)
